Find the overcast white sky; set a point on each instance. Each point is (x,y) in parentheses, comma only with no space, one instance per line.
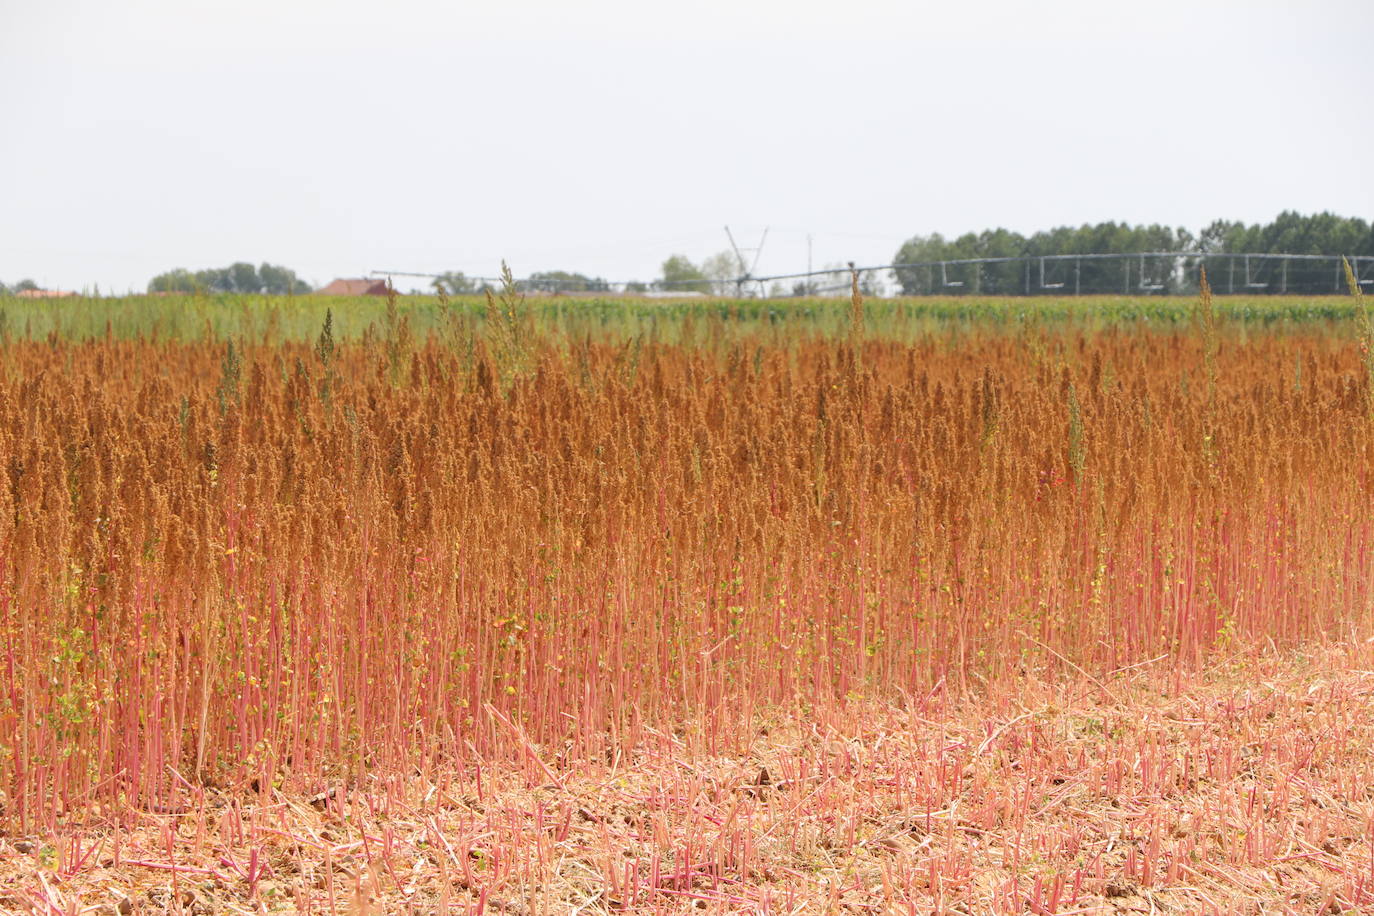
(337,137)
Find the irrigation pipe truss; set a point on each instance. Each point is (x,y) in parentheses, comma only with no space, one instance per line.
(1154,271)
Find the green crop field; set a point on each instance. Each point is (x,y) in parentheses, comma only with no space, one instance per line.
(282,318)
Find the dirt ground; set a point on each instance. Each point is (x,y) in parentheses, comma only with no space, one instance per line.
(1248,789)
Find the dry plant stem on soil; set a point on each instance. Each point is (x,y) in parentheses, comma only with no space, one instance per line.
(262,571)
(1247,790)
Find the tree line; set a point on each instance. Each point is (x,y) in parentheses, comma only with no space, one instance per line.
(929,270)
(457,283)
(239,277)
(1289,233)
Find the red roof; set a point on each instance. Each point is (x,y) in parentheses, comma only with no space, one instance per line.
(45,294)
(354,287)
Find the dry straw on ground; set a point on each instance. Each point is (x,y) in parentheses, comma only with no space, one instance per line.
(1245,792)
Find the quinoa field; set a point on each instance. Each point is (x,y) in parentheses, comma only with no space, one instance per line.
(527,606)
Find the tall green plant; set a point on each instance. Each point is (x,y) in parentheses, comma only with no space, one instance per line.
(509,318)
(324,351)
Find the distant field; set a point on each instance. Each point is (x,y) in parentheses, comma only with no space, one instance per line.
(300,317)
(1051,606)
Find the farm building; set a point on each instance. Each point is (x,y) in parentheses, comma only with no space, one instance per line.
(361,286)
(45,294)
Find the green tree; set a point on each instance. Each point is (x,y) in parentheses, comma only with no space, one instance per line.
(216,280)
(724,270)
(1219,236)
(236,278)
(244,278)
(179,280)
(681,275)
(455,283)
(930,277)
(25,285)
(1289,233)
(555,281)
(279,280)
(926,274)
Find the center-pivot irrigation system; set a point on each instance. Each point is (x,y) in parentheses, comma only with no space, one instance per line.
(1129,274)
